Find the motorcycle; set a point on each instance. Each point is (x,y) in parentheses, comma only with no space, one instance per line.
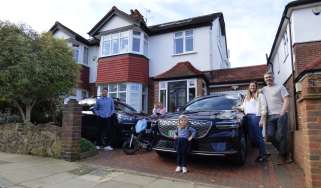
(142,137)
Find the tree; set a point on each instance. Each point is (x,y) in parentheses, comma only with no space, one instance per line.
(33,67)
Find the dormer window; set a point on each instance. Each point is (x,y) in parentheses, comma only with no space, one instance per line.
(183,42)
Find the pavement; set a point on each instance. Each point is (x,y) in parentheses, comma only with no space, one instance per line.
(25,171)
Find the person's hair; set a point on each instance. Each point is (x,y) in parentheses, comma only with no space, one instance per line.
(250,95)
(105,88)
(268,73)
(181,117)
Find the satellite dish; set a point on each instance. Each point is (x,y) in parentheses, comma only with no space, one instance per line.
(316,10)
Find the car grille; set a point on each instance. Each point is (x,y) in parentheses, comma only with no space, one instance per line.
(202,127)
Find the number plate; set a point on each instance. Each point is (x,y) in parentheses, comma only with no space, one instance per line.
(171,133)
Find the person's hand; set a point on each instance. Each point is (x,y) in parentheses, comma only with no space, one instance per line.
(261,123)
(190,138)
(175,137)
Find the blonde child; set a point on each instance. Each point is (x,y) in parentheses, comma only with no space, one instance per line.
(182,138)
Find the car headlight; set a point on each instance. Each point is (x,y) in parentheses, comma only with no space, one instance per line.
(124,117)
(226,115)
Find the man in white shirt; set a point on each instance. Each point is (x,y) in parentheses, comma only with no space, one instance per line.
(277,99)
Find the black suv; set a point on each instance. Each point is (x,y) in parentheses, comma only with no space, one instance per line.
(220,131)
(124,119)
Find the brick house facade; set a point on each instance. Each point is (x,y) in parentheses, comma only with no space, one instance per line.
(126,55)
(295,60)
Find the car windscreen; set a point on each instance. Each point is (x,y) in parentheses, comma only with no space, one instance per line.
(124,108)
(225,102)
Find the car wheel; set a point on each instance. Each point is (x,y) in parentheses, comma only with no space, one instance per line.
(132,148)
(162,153)
(241,156)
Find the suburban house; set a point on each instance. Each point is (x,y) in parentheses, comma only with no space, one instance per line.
(136,61)
(296,56)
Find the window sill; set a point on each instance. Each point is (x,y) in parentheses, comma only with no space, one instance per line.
(185,53)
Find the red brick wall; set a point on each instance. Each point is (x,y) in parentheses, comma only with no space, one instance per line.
(123,68)
(84,78)
(305,53)
(152,95)
(308,141)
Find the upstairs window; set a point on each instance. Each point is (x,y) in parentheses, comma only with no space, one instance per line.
(183,42)
(136,41)
(123,42)
(85,60)
(106,46)
(145,45)
(76,52)
(115,44)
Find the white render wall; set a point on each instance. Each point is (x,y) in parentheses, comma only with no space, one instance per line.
(281,59)
(306,25)
(61,35)
(219,59)
(161,50)
(92,63)
(115,22)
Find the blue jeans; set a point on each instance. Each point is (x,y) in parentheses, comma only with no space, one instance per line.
(182,149)
(277,132)
(255,132)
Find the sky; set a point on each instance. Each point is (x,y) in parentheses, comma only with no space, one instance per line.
(250,25)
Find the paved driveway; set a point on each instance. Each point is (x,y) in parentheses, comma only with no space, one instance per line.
(208,170)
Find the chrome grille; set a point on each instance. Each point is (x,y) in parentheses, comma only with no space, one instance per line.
(202,127)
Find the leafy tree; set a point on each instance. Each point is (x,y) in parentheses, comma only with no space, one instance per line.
(33,67)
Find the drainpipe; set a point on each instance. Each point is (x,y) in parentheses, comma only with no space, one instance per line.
(293,72)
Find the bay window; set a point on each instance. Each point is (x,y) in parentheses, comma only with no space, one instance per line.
(124,42)
(145,45)
(136,41)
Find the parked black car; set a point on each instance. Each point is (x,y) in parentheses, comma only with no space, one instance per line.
(123,120)
(220,131)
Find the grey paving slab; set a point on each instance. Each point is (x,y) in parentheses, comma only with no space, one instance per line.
(135,179)
(166,183)
(49,181)
(5,183)
(77,182)
(116,184)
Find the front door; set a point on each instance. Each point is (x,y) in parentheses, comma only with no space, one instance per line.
(176,95)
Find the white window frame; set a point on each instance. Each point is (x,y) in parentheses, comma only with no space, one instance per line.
(184,37)
(285,45)
(140,41)
(145,46)
(86,55)
(166,89)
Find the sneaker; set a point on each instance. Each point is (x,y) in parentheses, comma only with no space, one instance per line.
(260,159)
(178,169)
(184,170)
(108,148)
(98,147)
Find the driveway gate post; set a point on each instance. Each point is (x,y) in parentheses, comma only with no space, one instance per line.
(71,127)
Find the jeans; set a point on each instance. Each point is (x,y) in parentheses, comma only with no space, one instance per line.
(105,129)
(255,132)
(182,149)
(277,132)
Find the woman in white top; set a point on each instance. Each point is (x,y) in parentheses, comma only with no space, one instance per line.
(255,109)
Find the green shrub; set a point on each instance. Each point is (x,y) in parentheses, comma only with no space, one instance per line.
(86,145)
